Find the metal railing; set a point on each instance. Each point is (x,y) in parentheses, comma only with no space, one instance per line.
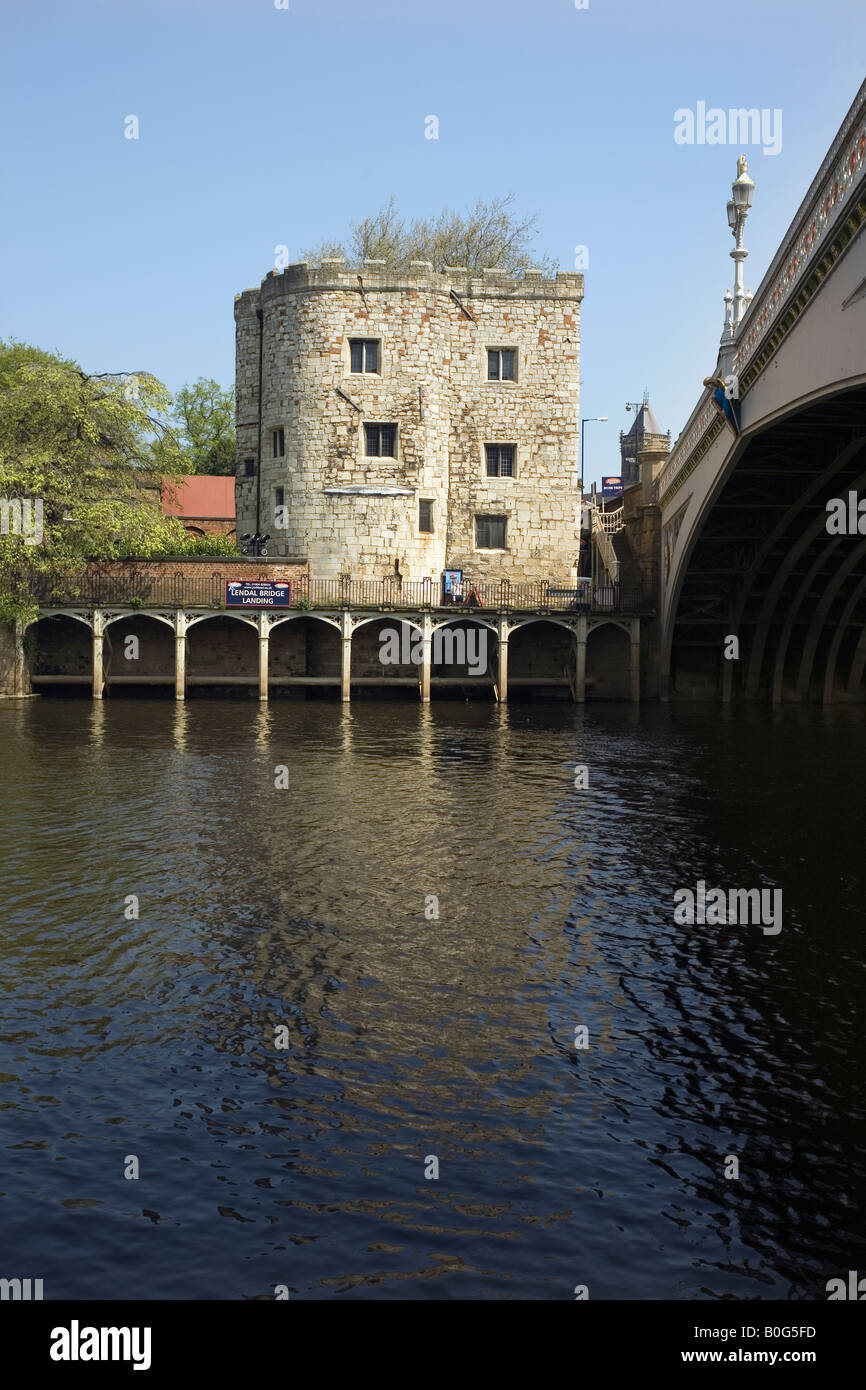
(612,521)
(141,590)
(135,588)
(604,547)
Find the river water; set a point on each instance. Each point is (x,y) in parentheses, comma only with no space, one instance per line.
(410,1036)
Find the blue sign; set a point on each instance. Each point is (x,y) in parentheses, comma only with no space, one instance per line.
(611,487)
(254,593)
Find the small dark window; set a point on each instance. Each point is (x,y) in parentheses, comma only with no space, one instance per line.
(490,532)
(249,468)
(425,514)
(500,364)
(500,460)
(380,440)
(365,354)
(279,439)
(280,496)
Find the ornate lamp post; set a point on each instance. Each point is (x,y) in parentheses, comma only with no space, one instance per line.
(742,190)
(589,419)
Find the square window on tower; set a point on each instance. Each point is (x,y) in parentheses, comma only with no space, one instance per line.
(380,440)
(500,460)
(501,364)
(364,354)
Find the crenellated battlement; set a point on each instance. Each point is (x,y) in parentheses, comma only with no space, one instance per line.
(375,276)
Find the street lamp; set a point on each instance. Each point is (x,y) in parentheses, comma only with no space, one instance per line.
(256,544)
(589,419)
(738,206)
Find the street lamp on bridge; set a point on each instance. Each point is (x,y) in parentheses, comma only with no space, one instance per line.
(738,207)
(588,421)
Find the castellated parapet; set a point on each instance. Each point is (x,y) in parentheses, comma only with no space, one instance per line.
(350,511)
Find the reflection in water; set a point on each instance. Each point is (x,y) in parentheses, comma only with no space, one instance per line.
(179,728)
(411,1035)
(97,722)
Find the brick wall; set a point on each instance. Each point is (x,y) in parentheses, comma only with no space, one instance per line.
(193,567)
(209,525)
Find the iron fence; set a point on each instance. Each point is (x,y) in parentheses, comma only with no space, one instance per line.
(139,589)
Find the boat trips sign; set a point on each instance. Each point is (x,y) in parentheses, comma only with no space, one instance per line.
(250,593)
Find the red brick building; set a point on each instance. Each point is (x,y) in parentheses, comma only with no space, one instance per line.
(203,502)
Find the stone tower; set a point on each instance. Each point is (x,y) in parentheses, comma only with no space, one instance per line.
(645,430)
(391,423)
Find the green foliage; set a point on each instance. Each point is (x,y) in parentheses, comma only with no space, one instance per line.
(203,545)
(490,235)
(204,427)
(84,446)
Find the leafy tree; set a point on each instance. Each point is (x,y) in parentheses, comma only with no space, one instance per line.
(193,544)
(204,424)
(490,235)
(83,446)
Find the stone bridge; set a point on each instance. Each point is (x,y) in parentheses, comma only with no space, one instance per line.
(762,597)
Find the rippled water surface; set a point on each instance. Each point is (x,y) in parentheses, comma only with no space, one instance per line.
(412,1036)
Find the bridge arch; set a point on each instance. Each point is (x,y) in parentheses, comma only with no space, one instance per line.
(301,616)
(595,623)
(746,552)
(846,624)
(542,657)
(84,617)
(758,563)
(219,615)
(389,619)
(543,618)
(151,662)
(470,617)
(144,613)
(60,645)
(610,660)
(228,654)
(305,649)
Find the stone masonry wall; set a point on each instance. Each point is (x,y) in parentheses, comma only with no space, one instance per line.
(7,660)
(350,513)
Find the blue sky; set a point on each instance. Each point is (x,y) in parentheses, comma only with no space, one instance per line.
(261,127)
